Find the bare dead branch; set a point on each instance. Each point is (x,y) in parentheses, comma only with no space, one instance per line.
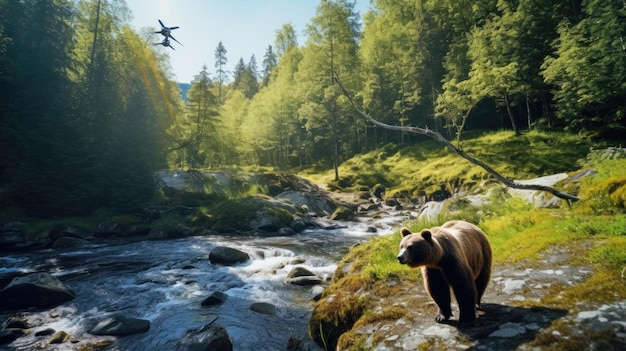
(438,137)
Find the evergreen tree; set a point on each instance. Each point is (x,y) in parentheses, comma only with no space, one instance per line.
(239,71)
(269,62)
(38,139)
(220,66)
(206,147)
(331,50)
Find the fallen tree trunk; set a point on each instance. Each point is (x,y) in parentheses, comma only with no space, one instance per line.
(438,137)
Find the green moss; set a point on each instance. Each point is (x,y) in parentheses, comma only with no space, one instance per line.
(607,254)
(335,315)
(552,339)
(603,286)
(342,213)
(428,166)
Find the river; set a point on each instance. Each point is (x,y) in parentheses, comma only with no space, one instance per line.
(166,281)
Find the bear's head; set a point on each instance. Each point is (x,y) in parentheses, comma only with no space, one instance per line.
(418,249)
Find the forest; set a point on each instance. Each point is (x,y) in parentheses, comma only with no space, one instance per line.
(89,109)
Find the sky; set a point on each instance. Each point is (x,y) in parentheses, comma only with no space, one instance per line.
(245,27)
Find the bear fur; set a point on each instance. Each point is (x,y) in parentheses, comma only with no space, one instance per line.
(456,255)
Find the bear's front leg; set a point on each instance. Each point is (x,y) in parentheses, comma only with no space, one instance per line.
(439,291)
(465,293)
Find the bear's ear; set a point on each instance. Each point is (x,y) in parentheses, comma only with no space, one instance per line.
(405,231)
(426,234)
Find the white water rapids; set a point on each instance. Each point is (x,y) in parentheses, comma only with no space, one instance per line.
(165,282)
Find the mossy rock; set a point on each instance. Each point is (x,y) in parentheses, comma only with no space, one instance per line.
(342,213)
(335,315)
(253,213)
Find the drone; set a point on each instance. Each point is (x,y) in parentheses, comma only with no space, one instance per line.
(166,42)
(167,33)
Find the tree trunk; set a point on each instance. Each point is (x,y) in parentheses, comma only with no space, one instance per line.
(510,113)
(528,114)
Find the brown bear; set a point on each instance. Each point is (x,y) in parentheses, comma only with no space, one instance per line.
(456,255)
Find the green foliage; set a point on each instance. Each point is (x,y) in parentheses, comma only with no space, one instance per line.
(588,67)
(79,109)
(72,108)
(604,192)
(607,255)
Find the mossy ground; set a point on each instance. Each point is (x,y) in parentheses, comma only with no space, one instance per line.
(427,167)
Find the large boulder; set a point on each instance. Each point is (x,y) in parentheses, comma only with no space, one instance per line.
(211,337)
(121,325)
(255,213)
(318,203)
(227,256)
(12,233)
(540,199)
(40,290)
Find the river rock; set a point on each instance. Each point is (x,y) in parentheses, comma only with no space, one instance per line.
(263,308)
(316,292)
(10,334)
(211,337)
(45,332)
(62,230)
(227,256)
(302,277)
(305,281)
(121,325)
(342,213)
(17,323)
(68,242)
(255,213)
(39,290)
(60,337)
(286,231)
(299,271)
(215,299)
(318,203)
(12,233)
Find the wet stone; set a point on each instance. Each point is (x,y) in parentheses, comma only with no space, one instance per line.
(227,256)
(215,299)
(121,325)
(263,308)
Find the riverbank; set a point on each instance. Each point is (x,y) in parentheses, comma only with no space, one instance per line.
(557,283)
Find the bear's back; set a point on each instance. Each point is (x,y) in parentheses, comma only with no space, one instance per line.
(473,243)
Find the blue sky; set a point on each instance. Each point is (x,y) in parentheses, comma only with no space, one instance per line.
(245,27)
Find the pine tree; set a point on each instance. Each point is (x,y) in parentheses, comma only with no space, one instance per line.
(220,66)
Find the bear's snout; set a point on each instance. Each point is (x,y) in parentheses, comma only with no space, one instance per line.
(401,256)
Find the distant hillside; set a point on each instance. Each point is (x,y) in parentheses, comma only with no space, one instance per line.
(183,90)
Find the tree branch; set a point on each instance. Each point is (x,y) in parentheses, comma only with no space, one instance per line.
(438,137)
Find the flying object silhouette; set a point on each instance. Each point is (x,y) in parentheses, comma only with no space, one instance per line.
(167,32)
(166,42)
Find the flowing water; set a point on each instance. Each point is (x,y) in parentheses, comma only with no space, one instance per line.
(166,281)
